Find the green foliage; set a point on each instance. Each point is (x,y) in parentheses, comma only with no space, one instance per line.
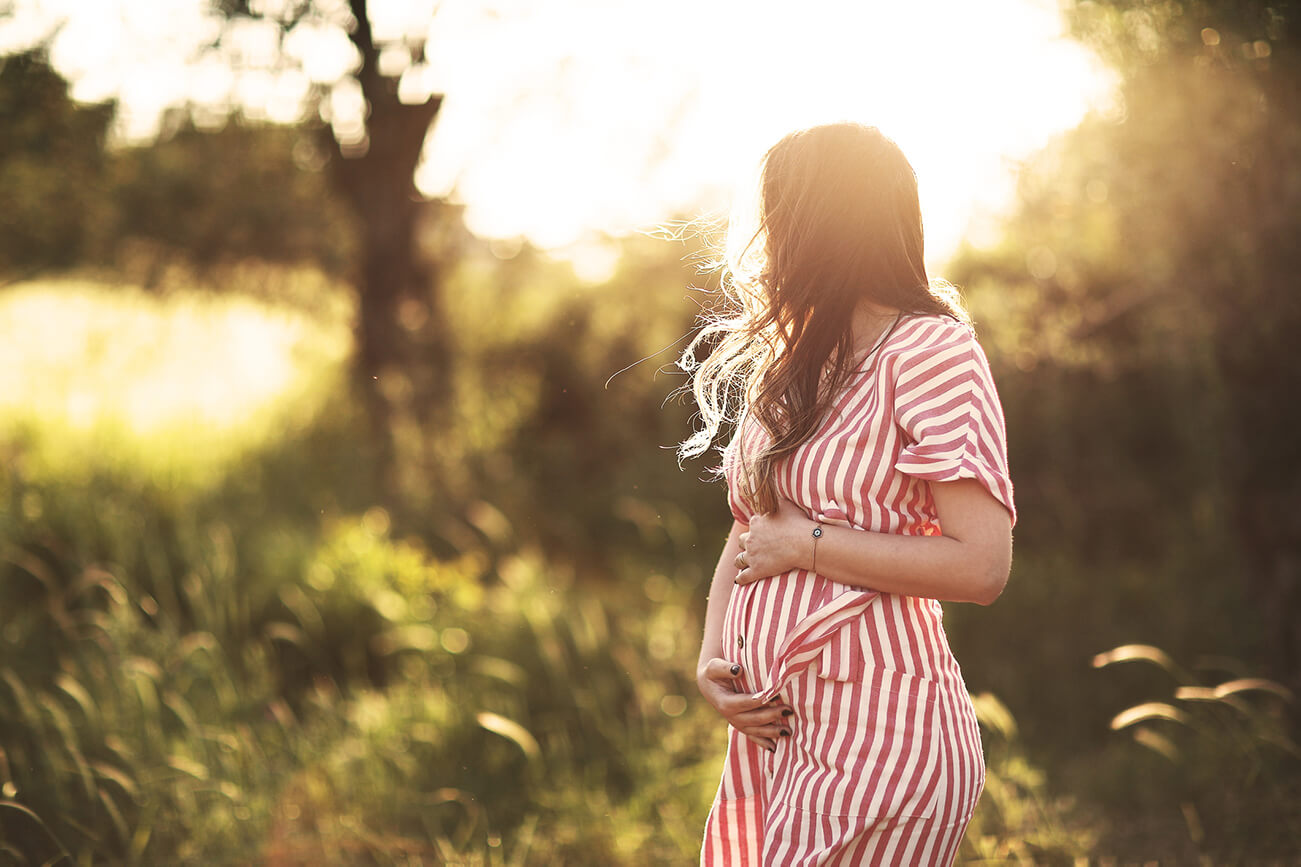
(193,198)
(52,166)
(563,394)
(243,191)
(204,668)
(235,659)
(144,741)
(519,711)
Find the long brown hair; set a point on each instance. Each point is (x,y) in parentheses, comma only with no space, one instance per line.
(838,222)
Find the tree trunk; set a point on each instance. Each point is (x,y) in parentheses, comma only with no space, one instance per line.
(379,185)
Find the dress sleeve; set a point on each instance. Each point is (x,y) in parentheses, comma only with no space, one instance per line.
(950,415)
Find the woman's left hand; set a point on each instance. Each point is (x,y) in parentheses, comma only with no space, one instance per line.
(776,542)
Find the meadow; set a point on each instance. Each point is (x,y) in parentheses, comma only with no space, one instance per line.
(333,533)
(218,649)
(215,652)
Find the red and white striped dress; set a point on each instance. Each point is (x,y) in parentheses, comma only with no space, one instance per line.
(884,762)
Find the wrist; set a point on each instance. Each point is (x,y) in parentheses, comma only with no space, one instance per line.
(814,534)
(798,553)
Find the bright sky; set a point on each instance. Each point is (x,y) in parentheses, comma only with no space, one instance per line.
(564,119)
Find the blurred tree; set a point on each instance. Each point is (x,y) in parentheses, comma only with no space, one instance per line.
(51,167)
(374,173)
(245,190)
(1155,255)
(241,191)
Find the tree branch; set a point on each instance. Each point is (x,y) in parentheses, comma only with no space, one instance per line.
(363,38)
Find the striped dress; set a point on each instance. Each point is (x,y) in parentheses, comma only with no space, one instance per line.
(884,762)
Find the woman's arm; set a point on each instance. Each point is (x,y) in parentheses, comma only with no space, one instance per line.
(762,723)
(720,593)
(969,563)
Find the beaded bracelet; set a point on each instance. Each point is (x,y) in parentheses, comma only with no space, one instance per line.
(817,534)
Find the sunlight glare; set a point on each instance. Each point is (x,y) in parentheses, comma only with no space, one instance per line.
(568,119)
(190,369)
(589,116)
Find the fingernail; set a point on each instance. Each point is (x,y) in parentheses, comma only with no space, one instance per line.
(786,733)
(787,712)
(736,669)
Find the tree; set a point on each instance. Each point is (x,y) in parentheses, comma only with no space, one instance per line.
(402,347)
(244,191)
(51,167)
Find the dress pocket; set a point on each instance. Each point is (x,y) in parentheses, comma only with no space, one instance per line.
(844,657)
(869,748)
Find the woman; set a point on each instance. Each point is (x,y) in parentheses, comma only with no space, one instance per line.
(867,420)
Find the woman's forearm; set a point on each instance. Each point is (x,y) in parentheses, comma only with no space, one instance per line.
(968,563)
(936,567)
(720,593)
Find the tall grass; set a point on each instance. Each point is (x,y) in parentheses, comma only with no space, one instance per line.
(1213,758)
(391,709)
(466,720)
(201,666)
(216,649)
(1020,819)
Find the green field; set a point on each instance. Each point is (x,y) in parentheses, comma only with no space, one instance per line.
(217,649)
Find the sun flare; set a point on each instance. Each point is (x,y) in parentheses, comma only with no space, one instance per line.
(579,117)
(566,120)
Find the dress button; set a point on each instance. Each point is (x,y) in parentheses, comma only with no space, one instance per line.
(740,641)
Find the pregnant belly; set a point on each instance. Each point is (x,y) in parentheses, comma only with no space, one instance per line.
(761,615)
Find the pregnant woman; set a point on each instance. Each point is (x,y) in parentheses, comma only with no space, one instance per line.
(868,481)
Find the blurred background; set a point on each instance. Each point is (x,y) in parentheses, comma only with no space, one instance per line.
(339,515)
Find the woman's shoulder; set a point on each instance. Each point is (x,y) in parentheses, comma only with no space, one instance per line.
(921,335)
(933,353)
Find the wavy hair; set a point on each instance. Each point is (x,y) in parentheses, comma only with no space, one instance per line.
(838,222)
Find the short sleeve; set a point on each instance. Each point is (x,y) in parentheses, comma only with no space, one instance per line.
(948,409)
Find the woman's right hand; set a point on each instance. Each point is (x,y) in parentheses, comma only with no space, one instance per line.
(762,722)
